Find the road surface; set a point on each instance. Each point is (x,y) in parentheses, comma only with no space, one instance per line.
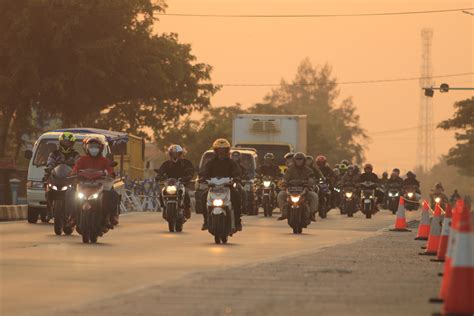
(39,270)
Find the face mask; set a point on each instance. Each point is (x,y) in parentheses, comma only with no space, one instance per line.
(94,151)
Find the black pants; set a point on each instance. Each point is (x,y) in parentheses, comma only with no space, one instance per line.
(236,201)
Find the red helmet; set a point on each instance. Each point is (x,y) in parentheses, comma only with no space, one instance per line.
(321,160)
(91,142)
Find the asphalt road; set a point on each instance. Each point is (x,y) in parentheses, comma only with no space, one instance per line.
(42,273)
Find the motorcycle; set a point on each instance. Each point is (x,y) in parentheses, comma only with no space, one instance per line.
(220,212)
(324,198)
(90,214)
(297,205)
(392,197)
(58,190)
(411,198)
(268,196)
(438,198)
(248,198)
(349,200)
(173,196)
(368,198)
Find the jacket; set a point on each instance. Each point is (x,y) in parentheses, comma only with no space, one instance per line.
(221,168)
(182,168)
(89,162)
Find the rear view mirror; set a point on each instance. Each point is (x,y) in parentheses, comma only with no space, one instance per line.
(113,164)
(28,154)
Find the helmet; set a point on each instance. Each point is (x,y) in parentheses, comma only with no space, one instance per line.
(236,156)
(385,175)
(321,160)
(345,162)
(369,167)
(175,152)
(269,156)
(343,167)
(93,146)
(221,147)
(221,143)
(299,156)
(66,142)
(350,169)
(309,158)
(411,175)
(439,186)
(289,156)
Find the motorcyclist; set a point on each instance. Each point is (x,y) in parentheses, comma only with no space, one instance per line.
(350,177)
(310,163)
(95,160)
(342,169)
(222,166)
(289,159)
(298,171)
(438,191)
(327,172)
(454,197)
(369,175)
(65,154)
(384,179)
(395,178)
(411,181)
(268,168)
(177,167)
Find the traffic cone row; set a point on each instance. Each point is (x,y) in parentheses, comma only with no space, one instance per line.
(456,247)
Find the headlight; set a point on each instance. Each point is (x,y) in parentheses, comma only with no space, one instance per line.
(337,190)
(217,202)
(390,194)
(80,195)
(295,198)
(437,199)
(55,188)
(64,188)
(93,196)
(266,184)
(410,194)
(171,189)
(349,194)
(371,196)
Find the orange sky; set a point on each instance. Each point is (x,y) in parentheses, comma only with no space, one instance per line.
(264,50)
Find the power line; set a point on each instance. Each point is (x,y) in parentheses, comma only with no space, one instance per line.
(393,131)
(342,82)
(311,15)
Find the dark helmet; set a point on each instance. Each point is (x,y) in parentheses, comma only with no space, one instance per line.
(269,156)
(289,155)
(350,169)
(439,186)
(175,152)
(411,175)
(299,156)
(396,170)
(345,162)
(385,175)
(369,167)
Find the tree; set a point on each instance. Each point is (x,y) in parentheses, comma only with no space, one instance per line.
(462,155)
(333,130)
(96,63)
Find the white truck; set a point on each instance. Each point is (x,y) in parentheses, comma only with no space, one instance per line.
(278,134)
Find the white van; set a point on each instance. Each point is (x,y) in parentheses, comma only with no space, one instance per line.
(35,191)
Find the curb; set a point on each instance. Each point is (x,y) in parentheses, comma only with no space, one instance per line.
(13,212)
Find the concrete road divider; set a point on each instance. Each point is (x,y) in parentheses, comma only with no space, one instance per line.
(13,212)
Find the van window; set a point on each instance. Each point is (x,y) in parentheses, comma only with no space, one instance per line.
(46,146)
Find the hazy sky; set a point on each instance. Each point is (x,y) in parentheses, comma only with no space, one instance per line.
(264,50)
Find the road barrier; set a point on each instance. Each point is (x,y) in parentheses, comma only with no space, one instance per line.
(401,221)
(424,227)
(13,212)
(435,233)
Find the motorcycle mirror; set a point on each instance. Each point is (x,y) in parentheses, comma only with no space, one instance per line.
(113,164)
(28,154)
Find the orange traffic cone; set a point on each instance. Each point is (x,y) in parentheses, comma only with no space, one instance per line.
(424,227)
(401,222)
(459,298)
(445,230)
(449,252)
(435,233)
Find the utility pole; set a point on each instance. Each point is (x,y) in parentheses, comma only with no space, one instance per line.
(425,143)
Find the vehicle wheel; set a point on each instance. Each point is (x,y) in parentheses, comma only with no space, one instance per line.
(322,213)
(295,230)
(217,239)
(68,230)
(93,239)
(171,225)
(179,226)
(32,215)
(44,216)
(85,238)
(224,240)
(58,226)
(300,230)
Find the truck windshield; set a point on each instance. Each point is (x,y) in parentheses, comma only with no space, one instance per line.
(278,150)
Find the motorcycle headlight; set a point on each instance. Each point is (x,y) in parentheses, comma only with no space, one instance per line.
(217,203)
(266,184)
(55,188)
(295,198)
(80,195)
(437,199)
(371,196)
(337,190)
(93,196)
(348,194)
(390,194)
(410,194)
(171,189)
(64,188)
